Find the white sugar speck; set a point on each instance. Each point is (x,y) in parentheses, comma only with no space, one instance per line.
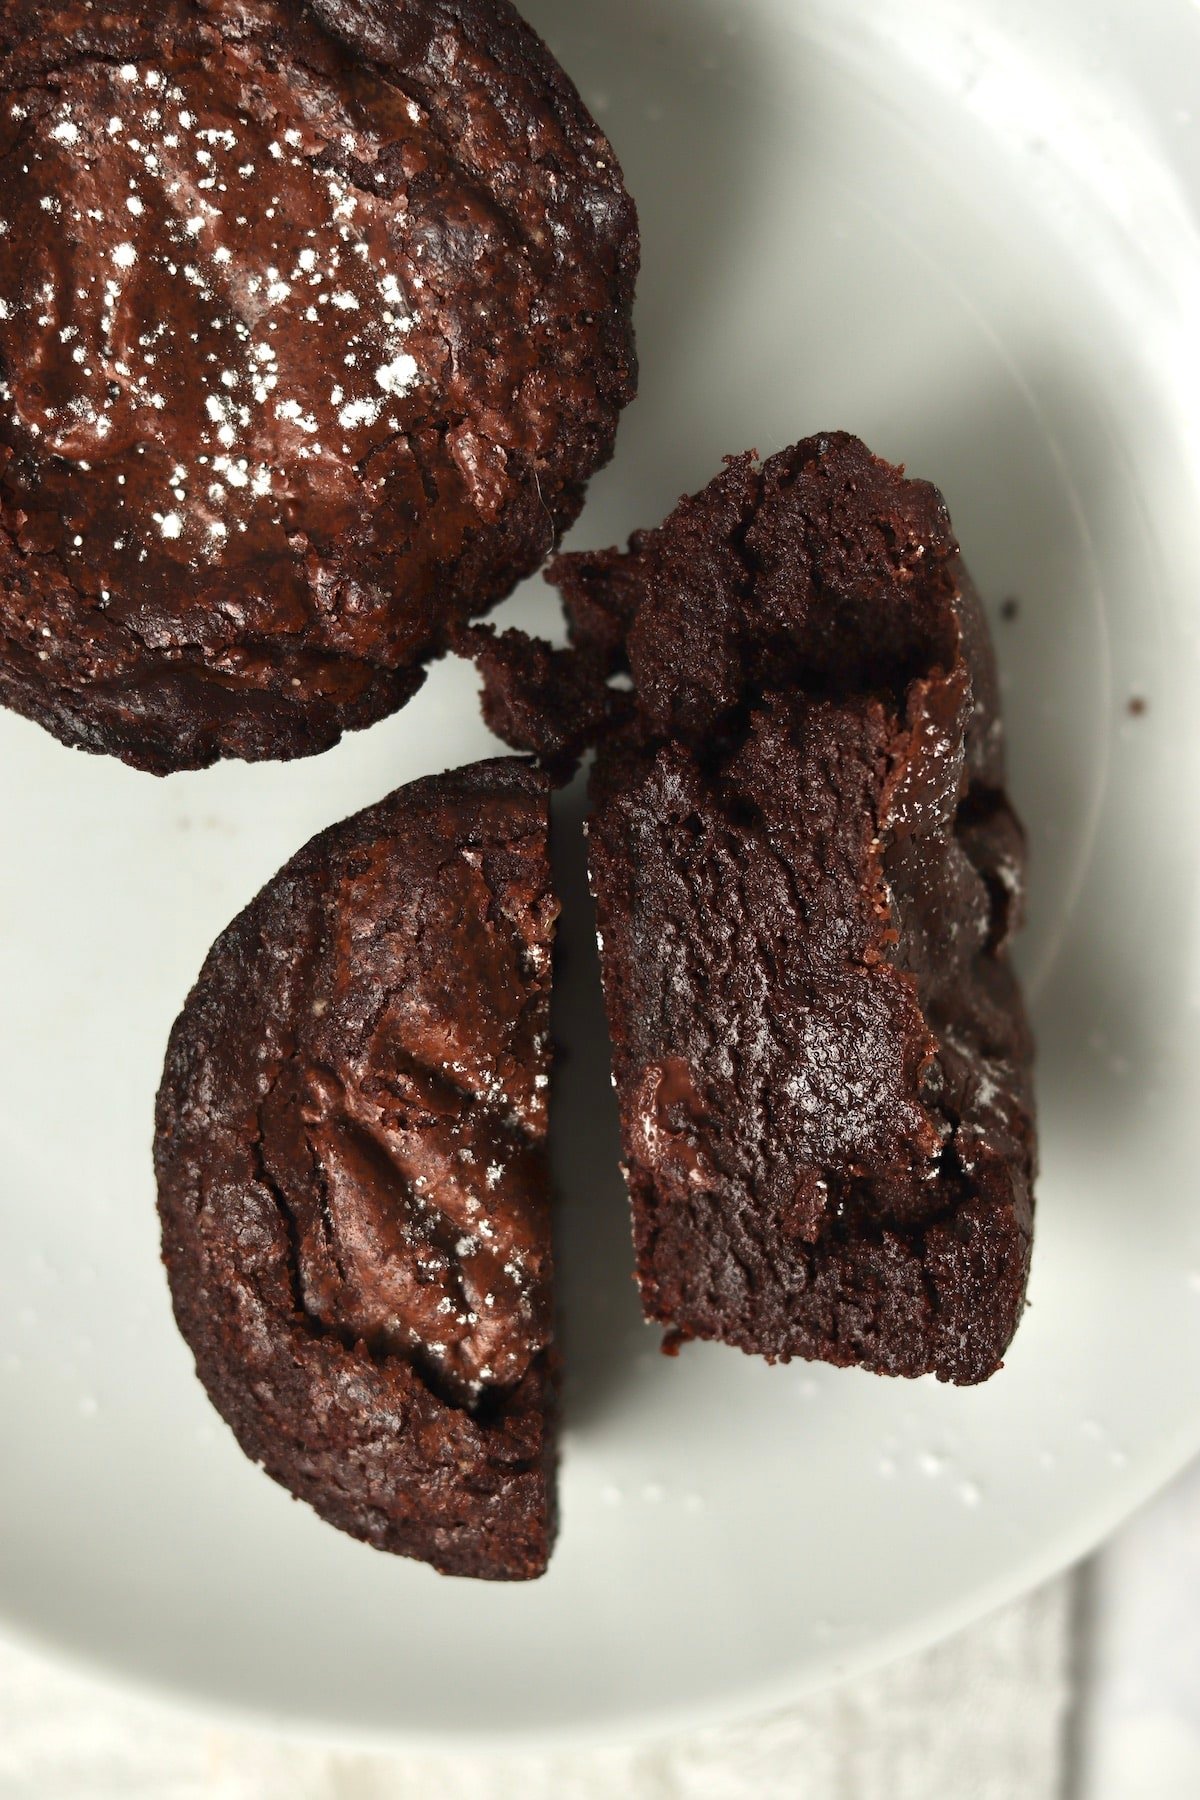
(397,376)
(129,72)
(124,256)
(66,132)
(135,206)
(359,412)
(169,524)
(292,410)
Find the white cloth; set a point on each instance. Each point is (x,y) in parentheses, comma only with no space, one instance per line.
(1140,1657)
(978,1718)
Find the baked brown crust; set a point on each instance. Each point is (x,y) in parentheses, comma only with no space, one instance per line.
(807,873)
(353,1175)
(316,323)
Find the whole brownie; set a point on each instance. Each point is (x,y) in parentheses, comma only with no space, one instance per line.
(807,874)
(315,322)
(353,1175)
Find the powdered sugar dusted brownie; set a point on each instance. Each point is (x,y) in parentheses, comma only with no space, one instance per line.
(314,323)
(353,1180)
(807,873)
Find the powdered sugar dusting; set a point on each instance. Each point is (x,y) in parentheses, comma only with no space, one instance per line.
(255,262)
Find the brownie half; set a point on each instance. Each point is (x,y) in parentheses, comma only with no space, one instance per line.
(315,320)
(353,1175)
(807,873)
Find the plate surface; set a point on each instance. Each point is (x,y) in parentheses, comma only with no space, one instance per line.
(964,231)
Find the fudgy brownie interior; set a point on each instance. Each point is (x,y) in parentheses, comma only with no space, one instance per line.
(807,873)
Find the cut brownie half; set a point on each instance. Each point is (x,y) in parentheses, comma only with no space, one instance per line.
(807,873)
(353,1177)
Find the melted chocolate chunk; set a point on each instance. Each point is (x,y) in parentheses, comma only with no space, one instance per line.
(353,1179)
(315,323)
(807,873)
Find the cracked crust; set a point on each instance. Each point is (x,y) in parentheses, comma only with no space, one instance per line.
(316,323)
(353,1181)
(807,873)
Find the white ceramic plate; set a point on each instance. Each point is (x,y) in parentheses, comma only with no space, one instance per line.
(964,231)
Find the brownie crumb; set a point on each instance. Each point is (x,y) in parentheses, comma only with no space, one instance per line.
(549,703)
(1138,705)
(1009,609)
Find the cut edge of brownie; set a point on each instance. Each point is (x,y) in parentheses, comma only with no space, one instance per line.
(291,1163)
(810,620)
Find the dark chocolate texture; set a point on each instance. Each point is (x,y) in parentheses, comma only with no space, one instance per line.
(315,323)
(553,703)
(353,1176)
(807,873)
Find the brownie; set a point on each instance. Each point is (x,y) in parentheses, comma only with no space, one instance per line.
(315,323)
(353,1174)
(807,873)
(553,703)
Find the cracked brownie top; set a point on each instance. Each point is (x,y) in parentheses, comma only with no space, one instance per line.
(315,321)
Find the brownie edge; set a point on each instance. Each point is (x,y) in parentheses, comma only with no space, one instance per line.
(807,873)
(353,1175)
